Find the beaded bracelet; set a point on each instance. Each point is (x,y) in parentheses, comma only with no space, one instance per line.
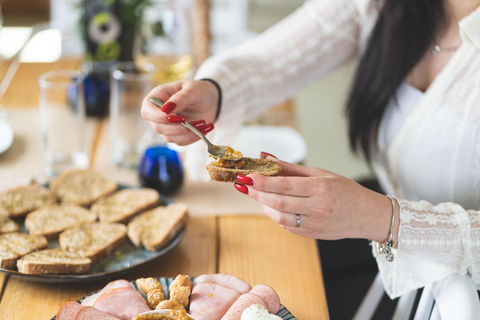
(386,246)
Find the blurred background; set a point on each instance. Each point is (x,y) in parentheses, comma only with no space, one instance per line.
(319,108)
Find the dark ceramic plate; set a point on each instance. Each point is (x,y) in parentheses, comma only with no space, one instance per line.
(283,313)
(126,259)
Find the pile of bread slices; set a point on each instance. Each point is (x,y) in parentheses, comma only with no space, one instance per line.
(87,215)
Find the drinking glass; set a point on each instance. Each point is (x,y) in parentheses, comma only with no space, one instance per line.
(166,40)
(62,119)
(130,134)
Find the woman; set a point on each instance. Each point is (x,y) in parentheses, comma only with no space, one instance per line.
(413,111)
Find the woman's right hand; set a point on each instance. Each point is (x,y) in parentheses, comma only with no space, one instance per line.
(190,100)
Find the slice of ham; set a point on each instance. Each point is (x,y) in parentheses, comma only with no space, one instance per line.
(89,301)
(210,301)
(269,295)
(90,313)
(226,280)
(242,303)
(123,303)
(69,310)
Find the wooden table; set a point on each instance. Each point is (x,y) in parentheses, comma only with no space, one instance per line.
(243,243)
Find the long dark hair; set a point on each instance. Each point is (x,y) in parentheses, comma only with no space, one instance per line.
(405,29)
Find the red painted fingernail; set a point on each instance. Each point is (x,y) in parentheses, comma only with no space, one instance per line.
(245,180)
(240,187)
(169,107)
(199,124)
(176,119)
(265,154)
(209,127)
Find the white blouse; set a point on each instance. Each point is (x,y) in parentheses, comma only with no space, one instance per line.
(396,113)
(432,162)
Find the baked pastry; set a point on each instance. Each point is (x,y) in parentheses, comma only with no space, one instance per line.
(81,187)
(170,304)
(15,245)
(181,280)
(147,284)
(154,229)
(8,225)
(154,297)
(180,294)
(95,241)
(124,204)
(19,201)
(252,165)
(53,261)
(50,220)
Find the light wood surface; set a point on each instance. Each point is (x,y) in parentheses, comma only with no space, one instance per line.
(260,251)
(23,89)
(249,246)
(196,254)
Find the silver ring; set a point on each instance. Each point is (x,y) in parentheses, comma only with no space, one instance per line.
(299,222)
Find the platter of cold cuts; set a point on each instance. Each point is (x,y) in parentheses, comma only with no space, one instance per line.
(206,297)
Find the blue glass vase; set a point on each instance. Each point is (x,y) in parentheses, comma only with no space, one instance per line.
(160,169)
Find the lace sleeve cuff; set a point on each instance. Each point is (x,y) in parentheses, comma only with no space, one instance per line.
(433,243)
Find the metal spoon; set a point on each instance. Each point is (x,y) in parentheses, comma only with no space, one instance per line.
(219,152)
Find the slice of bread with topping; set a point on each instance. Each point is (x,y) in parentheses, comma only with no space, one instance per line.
(17,202)
(50,220)
(124,204)
(95,241)
(8,225)
(15,245)
(53,261)
(81,187)
(155,228)
(252,165)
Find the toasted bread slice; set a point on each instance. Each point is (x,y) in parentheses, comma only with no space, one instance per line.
(81,187)
(15,245)
(50,220)
(53,261)
(124,204)
(259,166)
(8,225)
(17,202)
(155,228)
(95,240)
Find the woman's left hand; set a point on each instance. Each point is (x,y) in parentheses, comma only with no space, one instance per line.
(330,206)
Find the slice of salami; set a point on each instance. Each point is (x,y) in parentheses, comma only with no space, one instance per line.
(69,310)
(242,303)
(269,295)
(226,280)
(210,301)
(90,313)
